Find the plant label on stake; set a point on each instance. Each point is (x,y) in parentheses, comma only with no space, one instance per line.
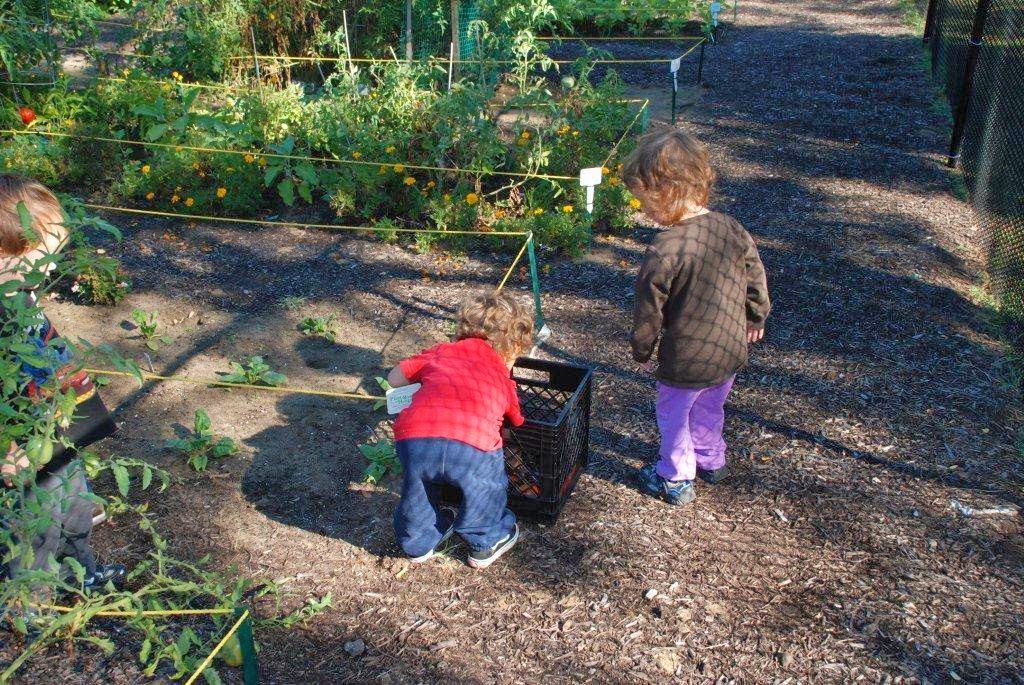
(400,398)
(589,178)
(673,68)
(715,9)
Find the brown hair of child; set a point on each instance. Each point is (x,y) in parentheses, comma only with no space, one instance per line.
(499,319)
(671,170)
(44,208)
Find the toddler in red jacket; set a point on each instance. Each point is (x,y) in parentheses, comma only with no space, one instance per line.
(451,434)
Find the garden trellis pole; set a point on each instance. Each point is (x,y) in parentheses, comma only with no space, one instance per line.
(967,85)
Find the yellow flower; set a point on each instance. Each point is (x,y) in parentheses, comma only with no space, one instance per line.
(605,170)
(614,181)
(189,202)
(179,149)
(399,168)
(567,209)
(472,199)
(165,87)
(525,135)
(447,197)
(221,192)
(389,149)
(176,76)
(177,189)
(409,181)
(145,168)
(174,198)
(195,165)
(538,211)
(249,159)
(383,169)
(431,184)
(618,167)
(357,154)
(125,71)
(272,16)
(230,169)
(575,133)
(262,161)
(150,195)
(634,203)
(521,142)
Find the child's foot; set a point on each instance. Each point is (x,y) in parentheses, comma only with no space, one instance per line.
(713,475)
(672,491)
(444,538)
(110,573)
(485,557)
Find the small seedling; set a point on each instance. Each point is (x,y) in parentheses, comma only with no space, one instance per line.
(203,444)
(146,321)
(322,326)
(253,371)
(382,457)
(291,302)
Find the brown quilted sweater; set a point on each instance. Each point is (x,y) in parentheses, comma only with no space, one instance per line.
(701,286)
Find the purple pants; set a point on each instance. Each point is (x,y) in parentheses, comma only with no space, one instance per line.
(690,421)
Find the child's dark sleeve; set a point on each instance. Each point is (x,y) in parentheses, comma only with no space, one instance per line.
(758,304)
(413,366)
(652,288)
(514,413)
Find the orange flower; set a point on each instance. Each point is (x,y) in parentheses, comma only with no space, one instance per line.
(634,203)
(174,199)
(221,192)
(399,168)
(145,168)
(409,181)
(357,155)
(249,159)
(472,199)
(150,195)
(567,209)
(189,202)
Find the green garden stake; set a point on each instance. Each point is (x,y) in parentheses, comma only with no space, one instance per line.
(645,118)
(250,664)
(531,254)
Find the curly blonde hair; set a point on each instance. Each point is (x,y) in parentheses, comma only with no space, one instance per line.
(673,170)
(499,319)
(43,207)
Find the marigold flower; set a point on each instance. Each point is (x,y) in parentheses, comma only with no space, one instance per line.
(538,211)
(165,87)
(189,202)
(431,184)
(447,197)
(389,149)
(614,181)
(399,168)
(567,209)
(472,199)
(145,168)
(357,155)
(575,134)
(272,16)
(150,195)
(177,189)
(521,142)
(499,214)
(634,203)
(221,192)
(262,161)
(249,159)
(174,199)
(176,76)
(383,169)
(195,165)
(525,135)
(605,170)
(409,181)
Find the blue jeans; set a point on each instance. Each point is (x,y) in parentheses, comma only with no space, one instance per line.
(430,463)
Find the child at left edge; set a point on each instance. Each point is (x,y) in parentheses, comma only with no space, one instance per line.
(452,433)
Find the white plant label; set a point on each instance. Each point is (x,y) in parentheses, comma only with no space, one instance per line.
(588,179)
(674,68)
(400,398)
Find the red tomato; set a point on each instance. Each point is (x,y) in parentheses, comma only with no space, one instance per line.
(28,115)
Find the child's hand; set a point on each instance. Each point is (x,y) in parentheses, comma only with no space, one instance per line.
(754,334)
(647,366)
(15,461)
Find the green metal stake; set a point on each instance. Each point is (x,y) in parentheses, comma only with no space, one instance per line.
(645,118)
(535,279)
(250,664)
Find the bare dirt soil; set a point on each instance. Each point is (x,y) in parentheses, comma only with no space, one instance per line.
(833,554)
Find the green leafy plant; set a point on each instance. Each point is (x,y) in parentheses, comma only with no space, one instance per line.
(382,457)
(146,322)
(385,386)
(202,444)
(321,326)
(101,282)
(253,371)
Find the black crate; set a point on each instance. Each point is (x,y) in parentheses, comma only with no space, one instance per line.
(546,455)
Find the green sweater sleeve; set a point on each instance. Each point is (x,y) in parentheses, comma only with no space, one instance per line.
(758,305)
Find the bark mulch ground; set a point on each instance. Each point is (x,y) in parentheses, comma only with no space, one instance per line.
(835,553)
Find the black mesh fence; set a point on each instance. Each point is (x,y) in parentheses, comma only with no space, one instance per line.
(992,151)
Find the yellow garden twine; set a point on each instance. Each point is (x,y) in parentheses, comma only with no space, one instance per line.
(216,650)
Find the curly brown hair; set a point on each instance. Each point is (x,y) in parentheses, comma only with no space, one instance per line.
(42,206)
(499,319)
(671,168)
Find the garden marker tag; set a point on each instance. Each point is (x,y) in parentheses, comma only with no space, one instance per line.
(400,398)
(588,179)
(715,8)
(673,67)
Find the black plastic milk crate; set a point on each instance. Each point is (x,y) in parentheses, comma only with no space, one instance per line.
(547,454)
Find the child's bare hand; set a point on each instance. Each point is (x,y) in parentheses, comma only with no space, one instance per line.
(15,461)
(754,334)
